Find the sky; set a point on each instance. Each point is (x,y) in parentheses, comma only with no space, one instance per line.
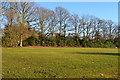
(60,0)
(102,10)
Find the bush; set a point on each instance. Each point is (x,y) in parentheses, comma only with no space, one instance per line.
(31,41)
(101,44)
(117,42)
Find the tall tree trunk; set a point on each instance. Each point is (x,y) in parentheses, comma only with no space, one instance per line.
(21,40)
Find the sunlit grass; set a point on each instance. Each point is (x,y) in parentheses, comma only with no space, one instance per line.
(60,63)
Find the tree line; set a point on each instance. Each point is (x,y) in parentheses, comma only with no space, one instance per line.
(26,24)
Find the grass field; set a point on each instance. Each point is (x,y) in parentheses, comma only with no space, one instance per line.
(59,63)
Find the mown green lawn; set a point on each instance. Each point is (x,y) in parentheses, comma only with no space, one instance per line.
(59,63)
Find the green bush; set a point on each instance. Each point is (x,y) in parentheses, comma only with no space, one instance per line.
(31,41)
(101,44)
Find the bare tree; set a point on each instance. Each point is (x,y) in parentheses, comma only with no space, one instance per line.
(110,29)
(9,15)
(62,17)
(46,22)
(20,14)
(25,15)
(75,22)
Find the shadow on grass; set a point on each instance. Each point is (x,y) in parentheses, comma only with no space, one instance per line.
(114,54)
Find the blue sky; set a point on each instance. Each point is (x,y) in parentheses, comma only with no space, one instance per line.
(102,10)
